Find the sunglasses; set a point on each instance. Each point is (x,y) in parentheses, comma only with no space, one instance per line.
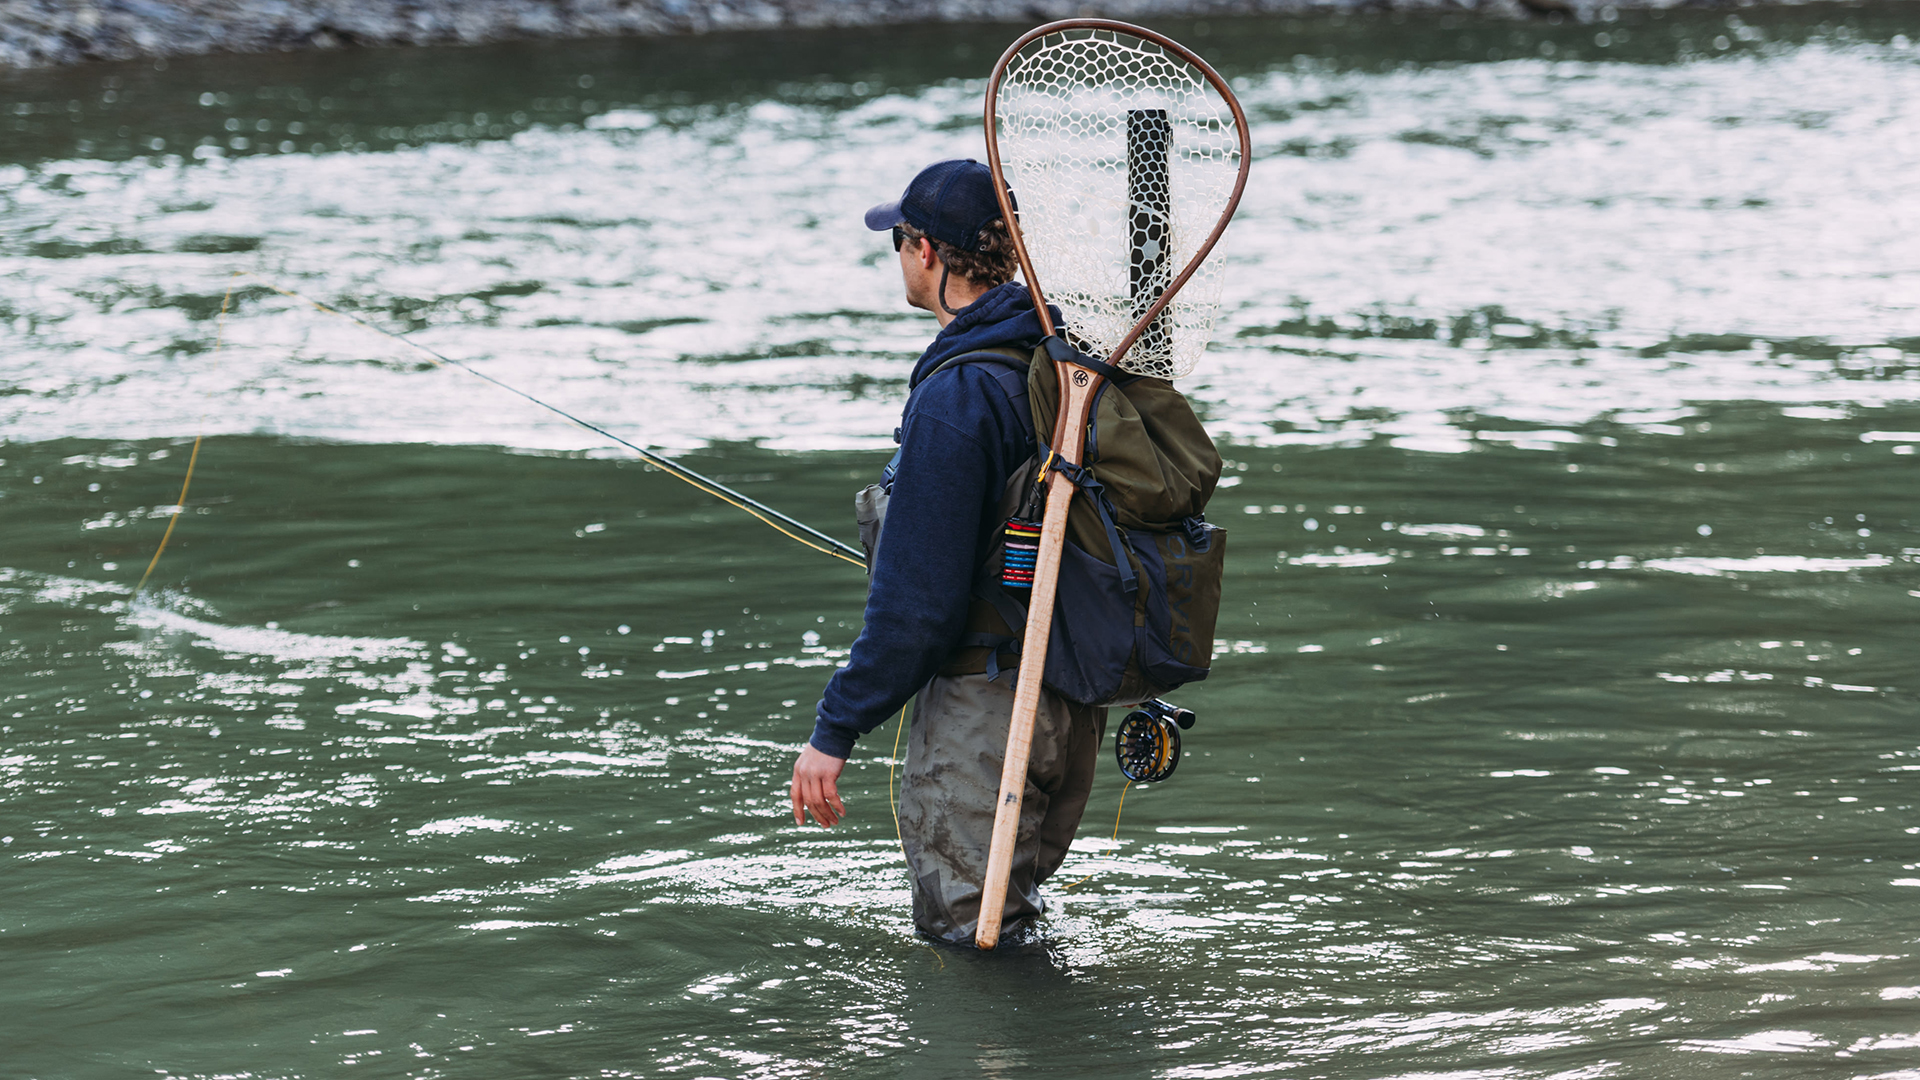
(899,238)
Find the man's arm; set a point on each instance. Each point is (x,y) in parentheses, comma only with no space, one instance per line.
(922,580)
(917,604)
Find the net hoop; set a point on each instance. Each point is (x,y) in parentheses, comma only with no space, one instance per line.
(1004,192)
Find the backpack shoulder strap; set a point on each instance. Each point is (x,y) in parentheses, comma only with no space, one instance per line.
(1017,359)
(1012,380)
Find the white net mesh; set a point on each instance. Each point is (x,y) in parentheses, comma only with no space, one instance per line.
(1122,158)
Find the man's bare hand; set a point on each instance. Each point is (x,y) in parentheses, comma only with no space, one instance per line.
(816,788)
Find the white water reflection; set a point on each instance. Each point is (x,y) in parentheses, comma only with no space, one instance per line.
(1542,243)
(1764,564)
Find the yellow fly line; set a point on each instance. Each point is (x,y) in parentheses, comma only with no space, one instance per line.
(180,504)
(1116,833)
(826,545)
(892,802)
(777,521)
(781,523)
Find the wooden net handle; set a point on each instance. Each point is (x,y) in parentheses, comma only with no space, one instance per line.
(1077,388)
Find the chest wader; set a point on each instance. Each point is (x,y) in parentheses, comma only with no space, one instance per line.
(951,780)
(1134,617)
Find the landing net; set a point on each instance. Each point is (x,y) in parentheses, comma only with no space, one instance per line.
(1125,159)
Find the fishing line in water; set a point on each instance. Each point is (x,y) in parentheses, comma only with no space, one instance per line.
(180,504)
(1116,833)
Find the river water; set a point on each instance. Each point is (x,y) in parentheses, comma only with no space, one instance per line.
(1562,722)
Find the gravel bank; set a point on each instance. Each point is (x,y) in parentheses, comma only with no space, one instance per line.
(36,33)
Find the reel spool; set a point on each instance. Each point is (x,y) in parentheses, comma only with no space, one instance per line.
(1147,746)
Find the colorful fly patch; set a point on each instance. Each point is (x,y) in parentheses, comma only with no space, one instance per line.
(1023,551)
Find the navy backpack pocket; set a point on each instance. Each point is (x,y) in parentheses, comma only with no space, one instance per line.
(1093,623)
(1114,646)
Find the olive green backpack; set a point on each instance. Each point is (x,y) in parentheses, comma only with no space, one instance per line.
(1139,585)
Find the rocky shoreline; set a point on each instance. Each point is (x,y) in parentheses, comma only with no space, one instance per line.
(38,33)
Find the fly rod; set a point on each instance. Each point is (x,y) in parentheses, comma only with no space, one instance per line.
(783,523)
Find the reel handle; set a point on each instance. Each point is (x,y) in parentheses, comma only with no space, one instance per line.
(1168,710)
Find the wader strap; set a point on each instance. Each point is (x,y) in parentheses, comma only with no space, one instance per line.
(994,644)
(1011,611)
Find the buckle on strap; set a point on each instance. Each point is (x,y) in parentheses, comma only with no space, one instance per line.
(1060,352)
(1096,493)
(994,644)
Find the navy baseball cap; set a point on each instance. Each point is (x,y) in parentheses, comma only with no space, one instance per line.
(951,201)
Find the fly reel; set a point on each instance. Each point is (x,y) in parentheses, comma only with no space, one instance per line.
(1148,742)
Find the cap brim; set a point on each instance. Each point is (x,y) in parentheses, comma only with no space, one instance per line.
(885,216)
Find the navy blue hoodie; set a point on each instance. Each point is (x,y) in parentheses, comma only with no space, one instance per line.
(959,442)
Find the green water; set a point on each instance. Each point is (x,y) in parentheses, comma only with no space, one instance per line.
(1562,721)
(393,787)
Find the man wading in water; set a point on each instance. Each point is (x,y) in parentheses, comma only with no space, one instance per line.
(965,434)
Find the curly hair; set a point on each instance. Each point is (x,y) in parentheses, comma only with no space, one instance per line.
(993,263)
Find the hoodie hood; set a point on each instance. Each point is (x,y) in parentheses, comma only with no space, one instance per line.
(1002,317)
